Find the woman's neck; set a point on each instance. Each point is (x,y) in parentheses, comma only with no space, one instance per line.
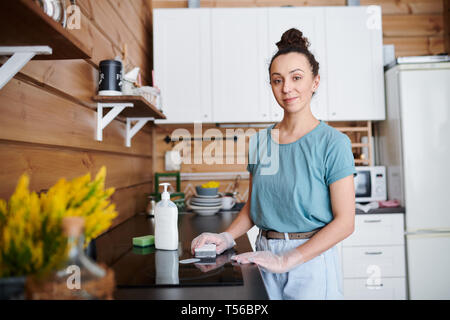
(297,123)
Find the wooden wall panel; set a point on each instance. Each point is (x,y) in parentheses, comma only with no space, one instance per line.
(416,46)
(130,201)
(111,22)
(77,79)
(412,25)
(446,15)
(406,6)
(46,165)
(48,120)
(94,38)
(235,164)
(30,114)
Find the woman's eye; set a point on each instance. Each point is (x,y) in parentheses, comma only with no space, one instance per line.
(297,77)
(276,81)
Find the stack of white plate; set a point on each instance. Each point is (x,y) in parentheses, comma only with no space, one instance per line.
(205,205)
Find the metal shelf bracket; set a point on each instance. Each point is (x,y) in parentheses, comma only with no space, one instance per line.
(131,131)
(20,56)
(103,121)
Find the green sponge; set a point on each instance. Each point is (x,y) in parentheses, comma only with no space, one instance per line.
(144,241)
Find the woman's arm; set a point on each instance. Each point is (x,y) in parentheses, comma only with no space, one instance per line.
(342,196)
(243,222)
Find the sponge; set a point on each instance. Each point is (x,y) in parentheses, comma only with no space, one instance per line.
(144,241)
(207,251)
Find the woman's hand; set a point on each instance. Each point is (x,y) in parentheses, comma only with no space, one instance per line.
(272,262)
(223,241)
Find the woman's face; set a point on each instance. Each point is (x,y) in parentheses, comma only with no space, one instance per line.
(292,81)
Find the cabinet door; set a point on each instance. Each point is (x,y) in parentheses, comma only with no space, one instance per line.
(239,72)
(311,22)
(378,261)
(377,230)
(355,63)
(182,63)
(386,289)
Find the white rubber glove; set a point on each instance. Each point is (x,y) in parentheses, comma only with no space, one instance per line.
(223,241)
(272,262)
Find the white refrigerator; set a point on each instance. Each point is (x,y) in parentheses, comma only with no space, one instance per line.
(414,145)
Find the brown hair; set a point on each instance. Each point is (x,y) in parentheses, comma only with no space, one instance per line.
(293,40)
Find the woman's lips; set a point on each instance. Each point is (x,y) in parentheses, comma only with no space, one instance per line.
(289,100)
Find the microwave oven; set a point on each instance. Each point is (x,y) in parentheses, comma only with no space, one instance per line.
(370,184)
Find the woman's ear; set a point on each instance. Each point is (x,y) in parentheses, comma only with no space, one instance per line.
(316,83)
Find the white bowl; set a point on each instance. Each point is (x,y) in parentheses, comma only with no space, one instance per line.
(203,211)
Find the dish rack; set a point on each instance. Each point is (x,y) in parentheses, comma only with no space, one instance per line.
(176,197)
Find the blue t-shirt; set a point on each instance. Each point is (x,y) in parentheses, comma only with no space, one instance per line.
(290,190)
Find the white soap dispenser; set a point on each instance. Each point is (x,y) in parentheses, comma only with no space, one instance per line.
(166,222)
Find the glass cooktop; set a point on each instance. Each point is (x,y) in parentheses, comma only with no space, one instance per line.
(148,267)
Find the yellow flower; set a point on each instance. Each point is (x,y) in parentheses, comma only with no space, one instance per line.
(31,239)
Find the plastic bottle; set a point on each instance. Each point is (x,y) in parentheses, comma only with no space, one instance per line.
(166,222)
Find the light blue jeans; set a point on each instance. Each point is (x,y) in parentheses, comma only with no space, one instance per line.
(317,279)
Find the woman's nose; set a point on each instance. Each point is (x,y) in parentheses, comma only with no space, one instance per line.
(286,87)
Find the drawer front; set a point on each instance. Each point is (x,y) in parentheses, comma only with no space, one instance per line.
(373,262)
(377,229)
(387,289)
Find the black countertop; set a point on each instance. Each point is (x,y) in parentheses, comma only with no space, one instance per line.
(114,248)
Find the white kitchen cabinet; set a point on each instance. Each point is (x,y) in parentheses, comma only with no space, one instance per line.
(373,258)
(354,63)
(182,64)
(239,54)
(211,64)
(311,21)
(389,259)
(387,289)
(377,229)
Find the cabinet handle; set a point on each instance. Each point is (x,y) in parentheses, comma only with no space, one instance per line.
(373,253)
(374,285)
(372,221)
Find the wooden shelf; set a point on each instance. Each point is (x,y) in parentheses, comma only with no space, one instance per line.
(142,108)
(360,145)
(24,23)
(352,129)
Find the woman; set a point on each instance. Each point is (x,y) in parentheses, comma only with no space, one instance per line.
(308,205)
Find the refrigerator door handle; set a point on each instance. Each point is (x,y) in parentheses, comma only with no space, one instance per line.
(442,233)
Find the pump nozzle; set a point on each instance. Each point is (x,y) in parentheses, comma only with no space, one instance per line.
(165,195)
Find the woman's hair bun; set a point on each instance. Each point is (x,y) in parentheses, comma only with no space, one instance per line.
(293,38)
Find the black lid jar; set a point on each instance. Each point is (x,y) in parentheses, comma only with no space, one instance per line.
(110,78)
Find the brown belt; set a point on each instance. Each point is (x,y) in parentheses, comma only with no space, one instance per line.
(270,234)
